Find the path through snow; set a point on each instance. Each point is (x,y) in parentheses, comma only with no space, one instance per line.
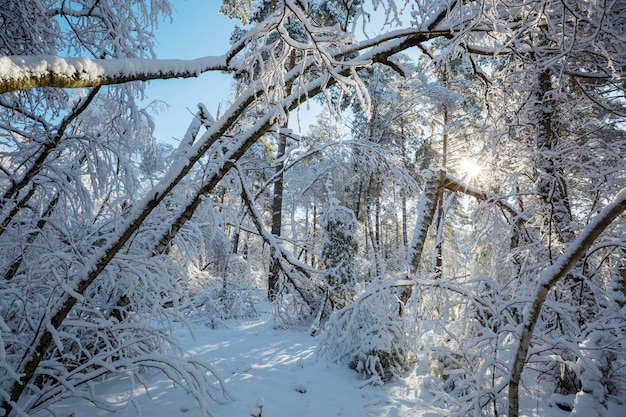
(257,360)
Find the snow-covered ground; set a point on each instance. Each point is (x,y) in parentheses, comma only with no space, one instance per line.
(262,363)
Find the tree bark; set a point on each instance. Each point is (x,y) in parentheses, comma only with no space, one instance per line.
(277,218)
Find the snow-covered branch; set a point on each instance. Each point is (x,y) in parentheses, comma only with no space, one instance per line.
(454,184)
(26,72)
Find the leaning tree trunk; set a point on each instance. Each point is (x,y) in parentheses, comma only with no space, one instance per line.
(574,253)
(426,209)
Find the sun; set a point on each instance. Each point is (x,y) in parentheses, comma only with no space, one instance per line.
(469,169)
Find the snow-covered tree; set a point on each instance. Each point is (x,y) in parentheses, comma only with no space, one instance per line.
(339,248)
(99,217)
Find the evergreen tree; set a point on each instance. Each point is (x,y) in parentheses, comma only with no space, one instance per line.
(339,247)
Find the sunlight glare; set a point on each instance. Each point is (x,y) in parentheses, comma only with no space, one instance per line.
(469,168)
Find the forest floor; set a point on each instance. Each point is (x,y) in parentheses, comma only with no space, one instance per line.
(260,361)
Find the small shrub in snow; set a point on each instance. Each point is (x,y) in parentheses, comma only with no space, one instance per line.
(383,354)
(217,298)
(594,371)
(218,305)
(369,335)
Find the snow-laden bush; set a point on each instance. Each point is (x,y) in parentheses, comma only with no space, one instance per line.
(339,248)
(600,367)
(369,334)
(232,302)
(594,369)
(464,334)
(219,298)
(121,328)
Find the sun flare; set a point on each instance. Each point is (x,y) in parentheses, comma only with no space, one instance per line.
(469,169)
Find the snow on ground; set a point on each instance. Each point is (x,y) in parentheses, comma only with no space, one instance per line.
(280,369)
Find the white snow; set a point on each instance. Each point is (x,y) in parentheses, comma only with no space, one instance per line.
(15,68)
(276,372)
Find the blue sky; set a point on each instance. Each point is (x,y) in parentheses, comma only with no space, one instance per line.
(198,30)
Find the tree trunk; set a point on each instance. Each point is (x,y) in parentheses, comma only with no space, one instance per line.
(425,214)
(438,267)
(553,191)
(313,259)
(235,241)
(277,200)
(277,213)
(372,231)
(405,235)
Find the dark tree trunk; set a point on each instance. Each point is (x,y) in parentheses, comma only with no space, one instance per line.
(277,213)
